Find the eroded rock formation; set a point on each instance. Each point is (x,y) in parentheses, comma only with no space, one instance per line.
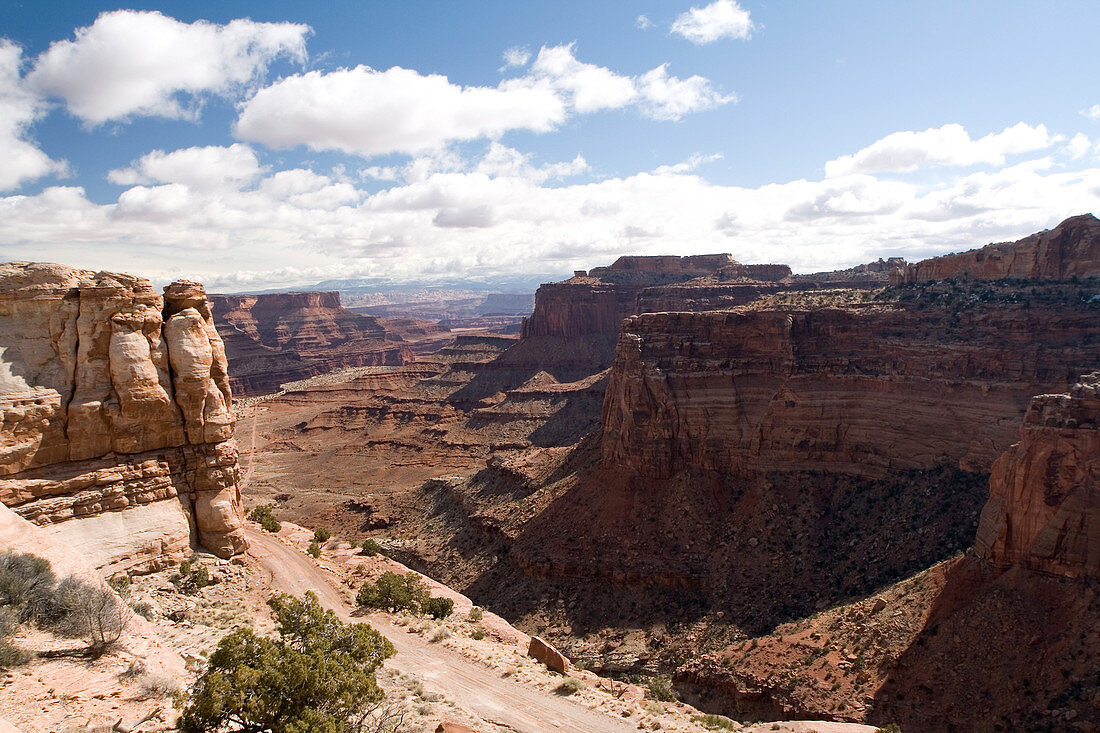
(1071,249)
(1044,505)
(116,411)
(283,337)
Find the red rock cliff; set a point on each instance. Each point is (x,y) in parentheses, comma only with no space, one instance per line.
(282,337)
(1071,249)
(862,390)
(1044,505)
(117,429)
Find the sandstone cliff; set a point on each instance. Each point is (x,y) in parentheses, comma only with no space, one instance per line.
(1071,249)
(1044,505)
(116,419)
(863,389)
(284,337)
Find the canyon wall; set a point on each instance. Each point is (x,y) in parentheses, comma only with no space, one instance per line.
(1044,505)
(1069,250)
(283,337)
(117,426)
(865,389)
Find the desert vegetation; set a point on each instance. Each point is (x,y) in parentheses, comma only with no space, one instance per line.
(262,516)
(330,667)
(72,607)
(393,592)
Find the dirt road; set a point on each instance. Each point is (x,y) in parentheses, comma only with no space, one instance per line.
(473,688)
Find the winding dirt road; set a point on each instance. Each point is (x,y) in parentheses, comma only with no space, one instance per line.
(470,686)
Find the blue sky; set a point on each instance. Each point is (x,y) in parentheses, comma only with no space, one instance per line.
(277,144)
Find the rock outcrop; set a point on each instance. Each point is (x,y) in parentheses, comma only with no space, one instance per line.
(1044,505)
(1069,250)
(276,338)
(117,427)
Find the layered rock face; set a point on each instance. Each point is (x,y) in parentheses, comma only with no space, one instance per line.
(116,419)
(1044,505)
(283,337)
(863,390)
(1071,249)
(582,316)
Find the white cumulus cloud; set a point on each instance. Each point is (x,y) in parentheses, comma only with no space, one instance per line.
(720,19)
(367,112)
(130,63)
(689,165)
(670,98)
(590,87)
(198,168)
(22,159)
(949,145)
(1093,112)
(500,214)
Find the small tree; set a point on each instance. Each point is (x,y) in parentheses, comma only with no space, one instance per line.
(314,549)
(321,534)
(318,675)
(371,547)
(393,592)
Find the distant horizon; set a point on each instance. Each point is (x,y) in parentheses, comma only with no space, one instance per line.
(274,146)
(493,284)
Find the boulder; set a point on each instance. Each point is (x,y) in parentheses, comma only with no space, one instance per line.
(548,655)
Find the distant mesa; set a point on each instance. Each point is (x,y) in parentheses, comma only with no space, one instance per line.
(274,338)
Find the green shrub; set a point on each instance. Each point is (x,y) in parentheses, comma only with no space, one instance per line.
(569,686)
(393,592)
(262,515)
(200,576)
(477,635)
(120,584)
(321,534)
(192,577)
(720,722)
(477,613)
(314,549)
(439,607)
(317,675)
(660,688)
(371,547)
